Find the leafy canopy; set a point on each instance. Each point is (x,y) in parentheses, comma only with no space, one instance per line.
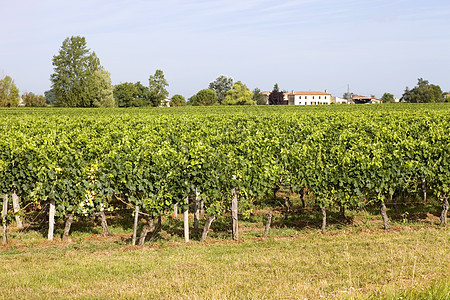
(424,92)
(387,98)
(9,93)
(221,86)
(239,95)
(32,100)
(204,97)
(73,68)
(157,88)
(177,100)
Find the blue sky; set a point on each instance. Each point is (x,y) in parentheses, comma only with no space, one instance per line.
(375,46)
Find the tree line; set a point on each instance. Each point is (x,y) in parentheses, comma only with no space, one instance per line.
(79,80)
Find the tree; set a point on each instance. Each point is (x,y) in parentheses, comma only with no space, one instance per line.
(50,97)
(239,95)
(276,97)
(258,97)
(204,97)
(32,100)
(348,95)
(276,87)
(387,98)
(177,100)
(125,94)
(157,88)
(221,86)
(424,92)
(143,96)
(101,89)
(9,93)
(73,68)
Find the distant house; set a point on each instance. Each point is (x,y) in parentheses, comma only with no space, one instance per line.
(308,98)
(303,97)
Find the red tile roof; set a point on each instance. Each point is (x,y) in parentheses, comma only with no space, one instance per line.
(300,93)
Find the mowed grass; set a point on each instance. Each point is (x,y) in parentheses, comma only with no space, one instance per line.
(409,262)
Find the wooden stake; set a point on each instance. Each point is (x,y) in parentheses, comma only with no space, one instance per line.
(136,218)
(51,219)
(4,221)
(234,215)
(186,220)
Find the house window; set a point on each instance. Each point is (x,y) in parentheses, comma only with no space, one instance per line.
(313,97)
(319,97)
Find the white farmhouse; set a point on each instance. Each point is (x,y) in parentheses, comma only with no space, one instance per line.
(308,98)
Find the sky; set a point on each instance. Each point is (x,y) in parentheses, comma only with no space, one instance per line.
(368,46)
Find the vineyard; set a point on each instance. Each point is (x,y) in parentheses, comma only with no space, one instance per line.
(68,163)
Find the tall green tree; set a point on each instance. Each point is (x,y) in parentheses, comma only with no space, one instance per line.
(143,96)
(258,97)
(204,97)
(276,87)
(157,88)
(50,97)
(125,94)
(101,89)
(221,86)
(177,100)
(387,98)
(73,68)
(423,92)
(239,95)
(9,93)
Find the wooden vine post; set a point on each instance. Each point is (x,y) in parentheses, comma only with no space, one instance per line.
(136,219)
(234,213)
(186,220)
(4,220)
(51,219)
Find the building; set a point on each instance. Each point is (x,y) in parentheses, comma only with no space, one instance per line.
(308,98)
(303,98)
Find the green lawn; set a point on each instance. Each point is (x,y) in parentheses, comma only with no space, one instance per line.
(412,262)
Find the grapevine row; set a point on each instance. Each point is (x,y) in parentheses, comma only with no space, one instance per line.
(90,161)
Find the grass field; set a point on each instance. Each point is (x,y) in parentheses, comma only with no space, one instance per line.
(354,260)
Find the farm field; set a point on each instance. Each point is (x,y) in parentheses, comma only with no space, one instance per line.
(332,177)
